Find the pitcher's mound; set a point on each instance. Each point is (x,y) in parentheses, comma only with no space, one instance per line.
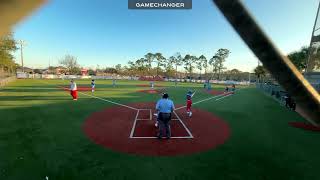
(148,85)
(150,91)
(80,88)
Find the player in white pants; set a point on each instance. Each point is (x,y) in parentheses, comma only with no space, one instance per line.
(93,85)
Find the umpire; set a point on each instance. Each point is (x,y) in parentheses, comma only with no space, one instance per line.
(165,107)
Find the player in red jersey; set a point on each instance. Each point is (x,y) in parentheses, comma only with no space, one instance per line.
(189,104)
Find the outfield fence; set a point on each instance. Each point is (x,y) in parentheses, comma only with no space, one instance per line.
(273,90)
(314,79)
(54,76)
(211,81)
(5,81)
(21,75)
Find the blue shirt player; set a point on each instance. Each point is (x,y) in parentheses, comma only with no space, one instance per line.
(165,107)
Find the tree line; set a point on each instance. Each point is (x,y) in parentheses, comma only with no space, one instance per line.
(156,64)
(176,66)
(7,48)
(299,58)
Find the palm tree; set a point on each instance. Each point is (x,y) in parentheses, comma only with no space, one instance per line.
(160,61)
(200,63)
(132,68)
(149,59)
(140,64)
(260,72)
(223,55)
(169,66)
(176,60)
(214,63)
(188,61)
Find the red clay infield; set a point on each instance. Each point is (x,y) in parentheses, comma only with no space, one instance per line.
(150,91)
(148,85)
(80,88)
(215,92)
(113,126)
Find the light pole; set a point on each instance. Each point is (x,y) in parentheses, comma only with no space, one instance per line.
(22,43)
(249,62)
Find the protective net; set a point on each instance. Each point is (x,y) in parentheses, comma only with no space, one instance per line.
(313,64)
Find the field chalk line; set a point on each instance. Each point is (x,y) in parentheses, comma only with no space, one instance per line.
(185,127)
(207,99)
(123,105)
(112,102)
(134,124)
(224,97)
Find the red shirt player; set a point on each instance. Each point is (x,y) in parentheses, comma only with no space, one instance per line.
(189,104)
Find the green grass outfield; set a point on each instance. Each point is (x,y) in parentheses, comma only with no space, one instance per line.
(41,135)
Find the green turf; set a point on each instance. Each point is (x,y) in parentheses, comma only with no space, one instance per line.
(41,135)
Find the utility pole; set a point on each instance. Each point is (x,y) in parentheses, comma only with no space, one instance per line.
(49,67)
(22,43)
(250,70)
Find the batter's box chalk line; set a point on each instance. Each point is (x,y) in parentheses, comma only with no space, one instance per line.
(190,136)
(149,112)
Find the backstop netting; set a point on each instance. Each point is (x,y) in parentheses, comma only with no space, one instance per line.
(313,64)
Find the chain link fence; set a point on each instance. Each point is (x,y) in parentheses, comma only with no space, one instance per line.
(273,90)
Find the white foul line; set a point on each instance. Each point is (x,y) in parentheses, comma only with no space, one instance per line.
(112,102)
(134,125)
(193,94)
(154,137)
(224,97)
(207,99)
(188,131)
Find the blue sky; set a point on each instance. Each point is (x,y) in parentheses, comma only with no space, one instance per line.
(106,32)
